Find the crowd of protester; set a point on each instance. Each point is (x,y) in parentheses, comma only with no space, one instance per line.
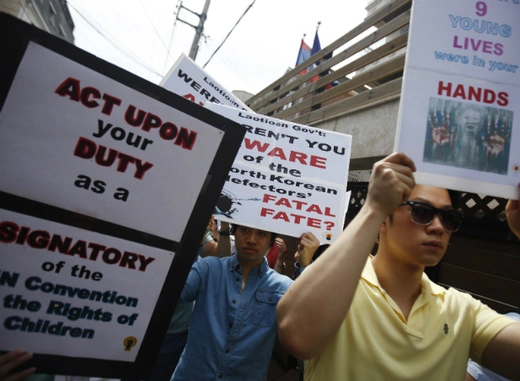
(349,315)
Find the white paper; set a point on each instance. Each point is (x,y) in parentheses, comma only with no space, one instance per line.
(48,139)
(188,80)
(459,116)
(104,288)
(286,178)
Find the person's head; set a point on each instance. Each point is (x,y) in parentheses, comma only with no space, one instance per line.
(252,244)
(470,120)
(419,230)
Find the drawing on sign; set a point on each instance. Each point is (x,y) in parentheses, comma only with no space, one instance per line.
(226,201)
(468,136)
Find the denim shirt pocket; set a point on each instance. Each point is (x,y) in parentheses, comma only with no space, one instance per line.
(264,314)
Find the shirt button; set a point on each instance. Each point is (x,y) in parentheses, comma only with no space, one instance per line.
(227,350)
(230,325)
(220,375)
(270,298)
(237,279)
(234,301)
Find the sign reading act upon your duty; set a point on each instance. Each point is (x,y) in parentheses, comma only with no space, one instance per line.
(460,109)
(286,178)
(82,136)
(107,182)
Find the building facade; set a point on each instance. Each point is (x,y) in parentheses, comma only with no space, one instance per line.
(52,16)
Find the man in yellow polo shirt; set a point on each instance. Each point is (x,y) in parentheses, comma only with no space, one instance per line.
(354,317)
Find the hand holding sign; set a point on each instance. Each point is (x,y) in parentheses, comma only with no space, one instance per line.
(10,361)
(391,182)
(306,249)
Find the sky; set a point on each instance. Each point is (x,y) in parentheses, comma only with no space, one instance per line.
(143,37)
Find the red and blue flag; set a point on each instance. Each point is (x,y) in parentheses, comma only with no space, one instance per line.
(303,55)
(306,52)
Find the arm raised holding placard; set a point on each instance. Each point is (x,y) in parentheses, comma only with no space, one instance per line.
(360,317)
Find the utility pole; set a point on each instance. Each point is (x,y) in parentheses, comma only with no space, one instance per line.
(198,29)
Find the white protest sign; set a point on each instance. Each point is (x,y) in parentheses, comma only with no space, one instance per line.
(460,107)
(286,178)
(108,182)
(116,149)
(76,287)
(188,80)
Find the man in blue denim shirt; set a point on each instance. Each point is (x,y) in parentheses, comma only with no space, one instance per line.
(233,327)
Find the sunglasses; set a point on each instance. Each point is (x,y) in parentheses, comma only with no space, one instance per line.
(423,214)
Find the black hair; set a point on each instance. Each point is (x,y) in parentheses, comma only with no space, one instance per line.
(455,198)
(234,228)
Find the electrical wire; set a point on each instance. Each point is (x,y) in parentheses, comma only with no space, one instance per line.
(129,55)
(173,30)
(231,65)
(134,28)
(156,32)
(106,33)
(232,29)
(126,22)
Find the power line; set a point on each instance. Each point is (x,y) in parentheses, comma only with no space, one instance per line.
(156,32)
(170,42)
(232,66)
(106,34)
(129,55)
(127,22)
(134,28)
(232,29)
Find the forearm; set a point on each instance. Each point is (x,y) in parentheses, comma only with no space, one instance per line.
(324,292)
(209,249)
(223,246)
(279,265)
(502,355)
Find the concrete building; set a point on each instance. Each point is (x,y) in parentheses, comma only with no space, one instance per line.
(52,16)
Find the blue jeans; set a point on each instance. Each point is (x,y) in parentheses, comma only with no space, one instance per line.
(168,356)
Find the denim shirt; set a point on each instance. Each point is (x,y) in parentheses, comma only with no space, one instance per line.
(232,332)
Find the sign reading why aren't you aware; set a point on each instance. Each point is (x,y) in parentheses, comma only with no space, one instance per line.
(286,178)
(108,182)
(460,108)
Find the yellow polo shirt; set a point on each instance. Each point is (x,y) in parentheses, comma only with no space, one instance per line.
(375,342)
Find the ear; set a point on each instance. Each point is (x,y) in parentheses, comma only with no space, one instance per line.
(384,226)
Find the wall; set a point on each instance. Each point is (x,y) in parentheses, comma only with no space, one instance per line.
(372,129)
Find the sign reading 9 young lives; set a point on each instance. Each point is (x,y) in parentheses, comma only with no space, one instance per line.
(460,109)
(287,178)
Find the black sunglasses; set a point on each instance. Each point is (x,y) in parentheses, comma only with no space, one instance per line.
(423,214)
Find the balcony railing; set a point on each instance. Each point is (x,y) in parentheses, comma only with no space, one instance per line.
(368,66)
